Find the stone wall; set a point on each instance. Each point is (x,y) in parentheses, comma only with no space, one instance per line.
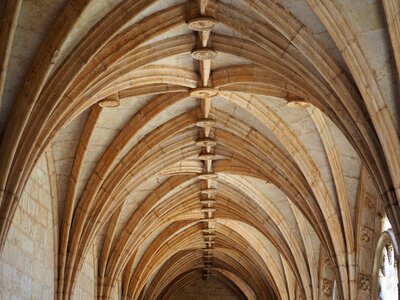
(27,264)
(211,289)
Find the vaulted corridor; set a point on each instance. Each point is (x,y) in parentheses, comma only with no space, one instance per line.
(211,149)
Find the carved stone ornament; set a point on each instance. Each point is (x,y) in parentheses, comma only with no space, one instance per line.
(203,23)
(207,201)
(327,287)
(297,104)
(206,156)
(369,201)
(110,102)
(364,284)
(366,234)
(328,262)
(206,142)
(205,122)
(206,176)
(207,209)
(210,192)
(204,92)
(204,53)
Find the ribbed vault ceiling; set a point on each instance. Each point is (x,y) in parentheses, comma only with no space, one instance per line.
(272,96)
